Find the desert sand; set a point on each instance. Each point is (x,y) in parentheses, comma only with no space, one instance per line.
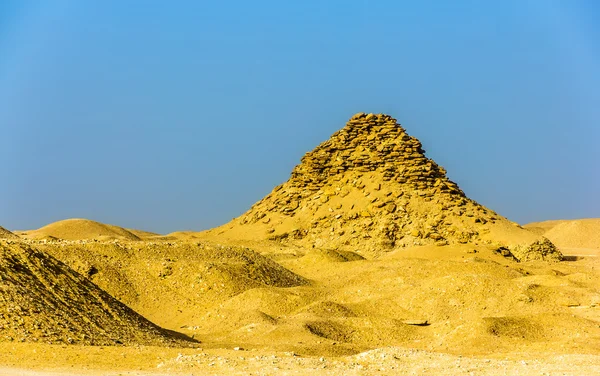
(368,260)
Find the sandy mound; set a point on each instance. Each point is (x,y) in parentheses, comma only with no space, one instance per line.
(81,229)
(172,283)
(579,233)
(44,300)
(5,234)
(370,188)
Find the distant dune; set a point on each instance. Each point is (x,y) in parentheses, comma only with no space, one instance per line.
(576,233)
(81,229)
(542,227)
(143,234)
(183,235)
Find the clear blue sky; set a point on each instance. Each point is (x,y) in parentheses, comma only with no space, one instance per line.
(173,115)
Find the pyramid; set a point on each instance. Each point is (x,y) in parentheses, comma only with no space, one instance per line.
(370,188)
(43,300)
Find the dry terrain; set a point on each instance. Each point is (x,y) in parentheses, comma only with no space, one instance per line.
(368,260)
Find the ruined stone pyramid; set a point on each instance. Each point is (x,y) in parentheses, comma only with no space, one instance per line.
(370,188)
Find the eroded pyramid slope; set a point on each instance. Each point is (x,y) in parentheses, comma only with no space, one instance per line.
(371,188)
(43,300)
(5,234)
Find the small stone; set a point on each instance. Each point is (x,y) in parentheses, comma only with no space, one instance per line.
(435,236)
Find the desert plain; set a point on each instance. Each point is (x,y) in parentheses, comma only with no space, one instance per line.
(368,260)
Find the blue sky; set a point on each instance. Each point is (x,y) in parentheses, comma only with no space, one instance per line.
(174,115)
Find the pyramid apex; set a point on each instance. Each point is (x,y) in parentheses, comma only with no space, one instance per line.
(371,119)
(358,115)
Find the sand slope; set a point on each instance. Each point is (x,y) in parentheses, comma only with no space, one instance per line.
(43,300)
(80,229)
(5,234)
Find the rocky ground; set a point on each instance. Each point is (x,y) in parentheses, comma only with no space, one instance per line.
(384,361)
